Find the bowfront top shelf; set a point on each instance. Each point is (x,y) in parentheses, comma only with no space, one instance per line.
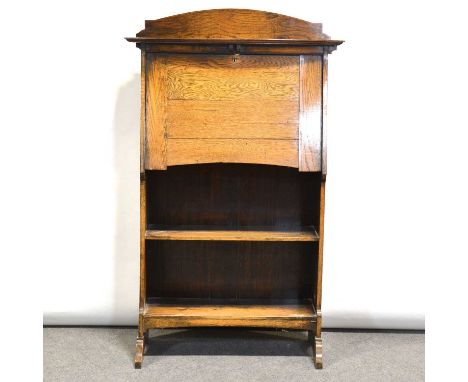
(231,234)
(233,165)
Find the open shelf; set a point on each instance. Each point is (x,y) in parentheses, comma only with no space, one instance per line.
(231,245)
(230,233)
(231,270)
(236,196)
(171,313)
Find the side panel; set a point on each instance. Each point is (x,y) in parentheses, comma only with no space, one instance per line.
(324,113)
(310,120)
(156,101)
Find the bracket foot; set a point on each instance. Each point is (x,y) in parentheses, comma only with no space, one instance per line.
(317,345)
(140,347)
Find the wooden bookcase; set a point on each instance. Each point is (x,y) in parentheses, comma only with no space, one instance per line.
(233,172)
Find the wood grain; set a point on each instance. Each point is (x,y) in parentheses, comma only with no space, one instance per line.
(142,245)
(258,151)
(310,114)
(251,64)
(255,119)
(156,101)
(318,286)
(282,316)
(142,112)
(233,235)
(232,24)
(257,98)
(324,111)
(203,77)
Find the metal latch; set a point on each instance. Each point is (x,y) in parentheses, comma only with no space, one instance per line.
(236,55)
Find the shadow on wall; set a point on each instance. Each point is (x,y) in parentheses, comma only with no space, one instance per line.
(126,243)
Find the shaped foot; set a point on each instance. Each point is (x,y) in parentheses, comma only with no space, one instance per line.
(317,344)
(140,347)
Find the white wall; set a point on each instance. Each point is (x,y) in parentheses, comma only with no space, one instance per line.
(82,156)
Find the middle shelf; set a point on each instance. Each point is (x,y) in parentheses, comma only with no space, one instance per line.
(155,232)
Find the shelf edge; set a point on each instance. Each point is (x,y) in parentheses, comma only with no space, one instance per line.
(222,235)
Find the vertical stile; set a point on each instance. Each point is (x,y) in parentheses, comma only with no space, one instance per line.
(318,296)
(142,192)
(324,111)
(310,103)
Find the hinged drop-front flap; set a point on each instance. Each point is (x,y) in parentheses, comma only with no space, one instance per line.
(205,109)
(213,109)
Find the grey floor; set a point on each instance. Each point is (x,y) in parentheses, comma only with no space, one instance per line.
(106,354)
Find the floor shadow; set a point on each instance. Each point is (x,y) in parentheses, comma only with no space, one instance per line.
(221,341)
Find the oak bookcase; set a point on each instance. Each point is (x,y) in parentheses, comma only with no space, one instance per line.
(233,172)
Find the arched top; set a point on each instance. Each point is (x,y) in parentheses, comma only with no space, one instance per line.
(233,26)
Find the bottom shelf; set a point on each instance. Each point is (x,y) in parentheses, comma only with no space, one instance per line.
(177,313)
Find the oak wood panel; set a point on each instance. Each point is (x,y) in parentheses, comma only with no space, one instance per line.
(318,286)
(233,235)
(310,121)
(187,96)
(183,322)
(324,111)
(156,100)
(281,316)
(251,64)
(142,112)
(142,299)
(232,24)
(257,151)
(232,119)
(142,281)
(204,77)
